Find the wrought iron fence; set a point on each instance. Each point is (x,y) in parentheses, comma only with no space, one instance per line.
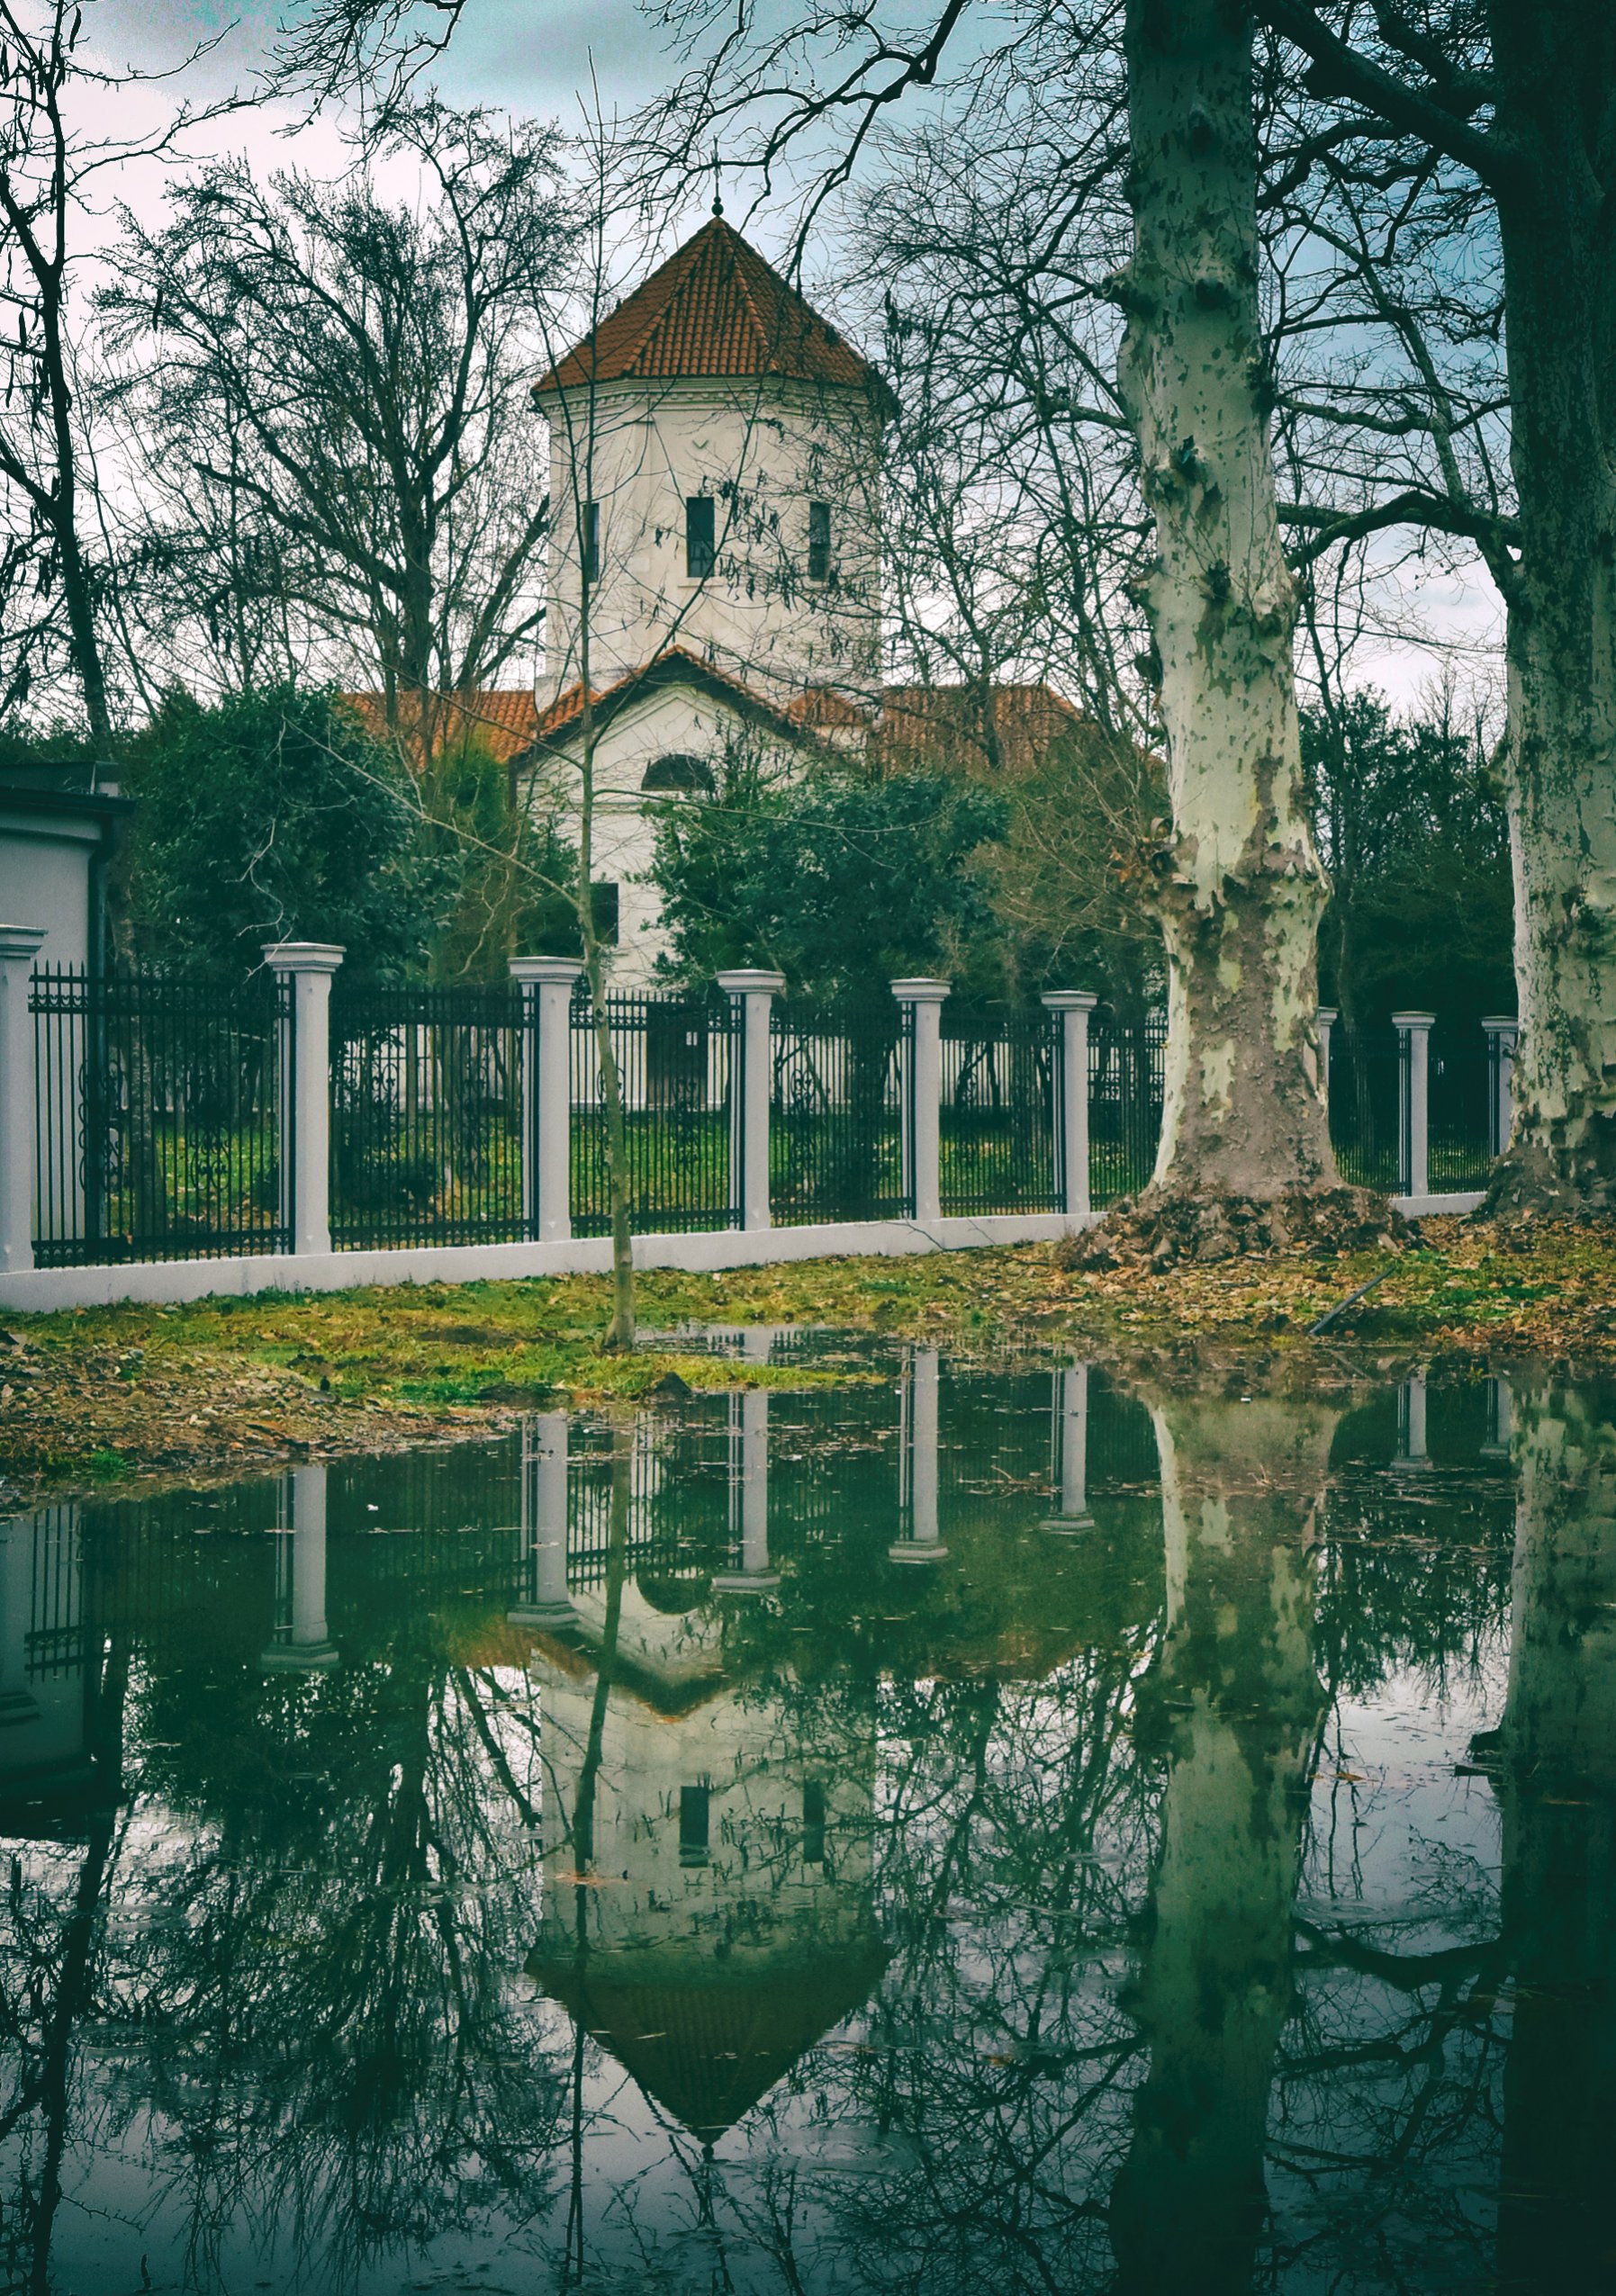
(427,1116)
(158,1124)
(1126,1073)
(1369,1108)
(1463,1092)
(996,1120)
(837,1111)
(674,1059)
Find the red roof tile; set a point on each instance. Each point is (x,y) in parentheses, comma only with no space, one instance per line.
(674,665)
(504,719)
(919,724)
(716,307)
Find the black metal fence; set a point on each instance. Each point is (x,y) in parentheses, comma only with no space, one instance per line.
(158,1122)
(996,1117)
(673,1058)
(836,1111)
(1125,1074)
(426,1117)
(1369,1108)
(1464,1098)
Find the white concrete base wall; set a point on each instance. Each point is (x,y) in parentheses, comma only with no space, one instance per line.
(165,1282)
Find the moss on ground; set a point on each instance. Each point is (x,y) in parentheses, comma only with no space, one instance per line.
(99,1396)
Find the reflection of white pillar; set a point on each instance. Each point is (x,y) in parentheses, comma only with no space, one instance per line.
(1410,1423)
(1071,1433)
(1501,1419)
(303,1643)
(922,1543)
(16,1608)
(750,1497)
(544,1503)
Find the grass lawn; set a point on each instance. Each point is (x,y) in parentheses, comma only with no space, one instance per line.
(108,1395)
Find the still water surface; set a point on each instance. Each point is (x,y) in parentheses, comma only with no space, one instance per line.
(980,1831)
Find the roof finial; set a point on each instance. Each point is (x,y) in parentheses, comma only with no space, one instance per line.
(718,194)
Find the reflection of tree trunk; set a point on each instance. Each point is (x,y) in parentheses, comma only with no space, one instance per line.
(76,1984)
(617,1557)
(1238,1704)
(1559,1755)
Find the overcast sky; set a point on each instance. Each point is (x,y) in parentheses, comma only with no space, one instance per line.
(558,59)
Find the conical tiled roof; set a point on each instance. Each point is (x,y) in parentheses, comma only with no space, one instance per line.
(708,2050)
(714,309)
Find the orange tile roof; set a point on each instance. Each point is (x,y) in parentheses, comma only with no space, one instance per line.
(919,724)
(824,705)
(504,719)
(716,307)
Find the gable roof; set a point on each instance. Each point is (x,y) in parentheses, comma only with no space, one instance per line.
(674,666)
(716,307)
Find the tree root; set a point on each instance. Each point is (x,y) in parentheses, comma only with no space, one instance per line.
(1155,1231)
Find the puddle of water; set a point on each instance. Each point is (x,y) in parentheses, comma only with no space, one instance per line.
(982,1830)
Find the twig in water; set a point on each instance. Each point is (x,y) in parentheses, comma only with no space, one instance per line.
(1341,1306)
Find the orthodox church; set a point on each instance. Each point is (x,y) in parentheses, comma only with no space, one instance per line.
(715,574)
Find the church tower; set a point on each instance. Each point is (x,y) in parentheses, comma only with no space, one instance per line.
(714,476)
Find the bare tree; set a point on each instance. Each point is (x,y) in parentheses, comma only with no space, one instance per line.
(53,580)
(336,384)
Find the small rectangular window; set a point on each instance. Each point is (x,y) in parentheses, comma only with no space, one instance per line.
(589,544)
(700,551)
(818,563)
(603,910)
(813,1823)
(693,1822)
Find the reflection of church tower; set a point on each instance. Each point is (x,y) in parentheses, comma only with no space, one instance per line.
(49,1675)
(725,1923)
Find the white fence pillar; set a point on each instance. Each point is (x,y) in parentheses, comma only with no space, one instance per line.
(1413,1100)
(545,1601)
(19,946)
(1070,1432)
(1327,1016)
(306,1091)
(1503,1034)
(917,1463)
(546,984)
(753,993)
(1071,1098)
(922,1089)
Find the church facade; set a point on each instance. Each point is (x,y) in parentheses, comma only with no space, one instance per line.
(715,566)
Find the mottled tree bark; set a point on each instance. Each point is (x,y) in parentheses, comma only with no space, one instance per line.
(1238,1702)
(1555,74)
(1241,885)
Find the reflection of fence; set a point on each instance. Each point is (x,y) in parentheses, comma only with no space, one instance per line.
(1124,1104)
(837,1089)
(426,1116)
(674,1057)
(997,1115)
(157,1118)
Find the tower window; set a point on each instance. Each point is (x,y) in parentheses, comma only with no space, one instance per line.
(813,1823)
(588,543)
(701,550)
(694,1819)
(818,555)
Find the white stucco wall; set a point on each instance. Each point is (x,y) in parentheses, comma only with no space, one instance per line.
(666,721)
(763,449)
(45,864)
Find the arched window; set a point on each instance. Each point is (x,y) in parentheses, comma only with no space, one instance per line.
(677,771)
